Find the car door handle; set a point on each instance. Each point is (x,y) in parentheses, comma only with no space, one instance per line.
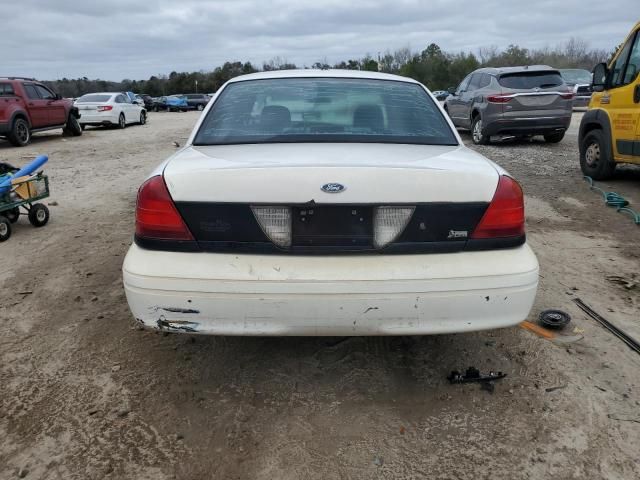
(636,94)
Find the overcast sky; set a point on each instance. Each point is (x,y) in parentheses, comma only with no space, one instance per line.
(116,39)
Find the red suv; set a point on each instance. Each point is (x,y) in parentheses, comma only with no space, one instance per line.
(27,106)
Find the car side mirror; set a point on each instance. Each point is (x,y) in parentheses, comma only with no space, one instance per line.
(451,90)
(599,80)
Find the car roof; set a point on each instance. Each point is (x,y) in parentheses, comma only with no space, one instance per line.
(313,73)
(26,79)
(521,69)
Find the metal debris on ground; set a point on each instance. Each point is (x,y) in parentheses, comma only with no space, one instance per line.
(556,319)
(631,342)
(473,375)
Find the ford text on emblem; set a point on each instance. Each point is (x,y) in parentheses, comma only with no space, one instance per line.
(333,188)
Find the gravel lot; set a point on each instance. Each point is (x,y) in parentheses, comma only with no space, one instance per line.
(85,395)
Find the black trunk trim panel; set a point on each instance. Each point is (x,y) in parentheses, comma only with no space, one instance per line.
(231,227)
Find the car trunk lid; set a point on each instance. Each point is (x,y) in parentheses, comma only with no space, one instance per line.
(270,197)
(295,174)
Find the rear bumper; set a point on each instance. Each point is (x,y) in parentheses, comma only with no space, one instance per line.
(98,119)
(5,128)
(527,125)
(228,294)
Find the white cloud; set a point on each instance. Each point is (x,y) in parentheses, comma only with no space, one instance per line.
(113,39)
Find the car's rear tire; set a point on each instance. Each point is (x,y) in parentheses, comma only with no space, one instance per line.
(554,137)
(20,134)
(5,229)
(200,107)
(143,118)
(595,156)
(38,215)
(122,122)
(478,137)
(12,215)
(72,127)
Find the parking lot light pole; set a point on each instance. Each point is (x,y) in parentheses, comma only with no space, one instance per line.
(196,86)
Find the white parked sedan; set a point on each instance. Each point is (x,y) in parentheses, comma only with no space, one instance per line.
(109,109)
(328,203)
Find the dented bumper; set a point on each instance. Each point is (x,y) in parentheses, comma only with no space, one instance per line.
(227,294)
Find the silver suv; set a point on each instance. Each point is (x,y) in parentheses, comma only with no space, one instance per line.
(512,101)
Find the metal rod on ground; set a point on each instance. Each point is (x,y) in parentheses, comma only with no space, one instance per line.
(630,341)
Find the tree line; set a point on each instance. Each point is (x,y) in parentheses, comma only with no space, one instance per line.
(435,68)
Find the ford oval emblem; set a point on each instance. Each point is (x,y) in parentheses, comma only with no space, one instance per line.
(333,188)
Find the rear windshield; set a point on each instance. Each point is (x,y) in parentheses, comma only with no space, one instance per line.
(529,80)
(93,98)
(324,110)
(576,76)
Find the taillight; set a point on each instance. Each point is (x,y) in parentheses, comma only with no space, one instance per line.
(505,215)
(499,98)
(105,108)
(567,96)
(156,216)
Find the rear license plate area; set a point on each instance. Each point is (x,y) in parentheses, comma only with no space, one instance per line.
(334,226)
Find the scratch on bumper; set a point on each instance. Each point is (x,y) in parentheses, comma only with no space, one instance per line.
(177,325)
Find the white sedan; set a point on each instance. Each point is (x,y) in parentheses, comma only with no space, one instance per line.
(328,203)
(109,109)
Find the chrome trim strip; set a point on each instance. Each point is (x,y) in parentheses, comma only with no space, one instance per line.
(534,94)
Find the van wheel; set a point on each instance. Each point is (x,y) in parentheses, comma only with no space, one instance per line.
(554,137)
(595,157)
(20,134)
(72,127)
(477,136)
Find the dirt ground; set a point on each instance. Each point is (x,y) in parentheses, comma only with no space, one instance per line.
(85,395)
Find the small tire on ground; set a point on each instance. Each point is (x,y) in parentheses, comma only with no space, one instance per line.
(554,319)
(20,134)
(554,137)
(200,107)
(83,126)
(477,136)
(38,215)
(12,215)
(143,118)
(122,122)
(72,127)
(595,156)
(5,228)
